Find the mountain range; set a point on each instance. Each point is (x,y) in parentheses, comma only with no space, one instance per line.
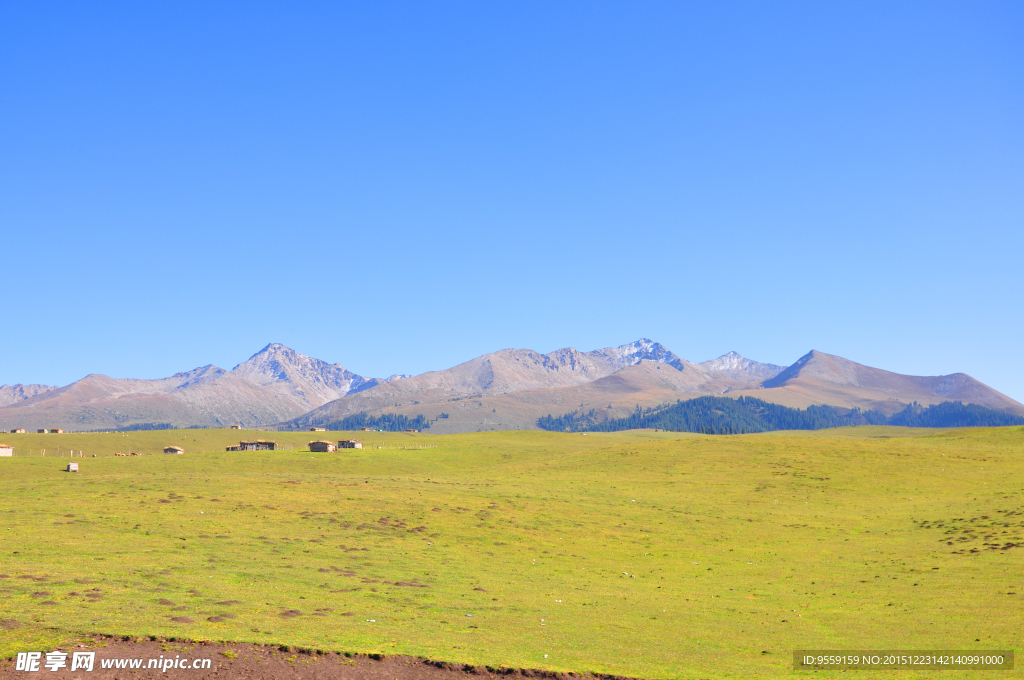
(275,384)
(510,389)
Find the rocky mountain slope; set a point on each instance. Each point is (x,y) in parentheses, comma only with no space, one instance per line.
(12,394)
(739,368)
(507,372)
(297,376)
(819,378)
(512,388)
(276,383)
(509,389)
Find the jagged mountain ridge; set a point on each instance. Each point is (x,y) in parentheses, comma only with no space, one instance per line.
(509,389)
(508,371)
(274,384)
(740,368)
(299,376)
(12,394)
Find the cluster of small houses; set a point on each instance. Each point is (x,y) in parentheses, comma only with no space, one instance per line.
(319,446)
(365,429)
(322,446)
(7,451)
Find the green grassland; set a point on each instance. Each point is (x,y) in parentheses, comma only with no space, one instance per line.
(658,555)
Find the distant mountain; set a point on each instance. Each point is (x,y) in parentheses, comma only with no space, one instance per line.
(275,384)
(512,389)
(502,373)
(12,394)
(819,378)
(738,368)
(508,389)
(310,381)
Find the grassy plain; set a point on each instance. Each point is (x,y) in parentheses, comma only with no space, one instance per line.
(658,555)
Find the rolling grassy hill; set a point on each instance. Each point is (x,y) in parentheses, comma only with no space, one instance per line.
(644,554)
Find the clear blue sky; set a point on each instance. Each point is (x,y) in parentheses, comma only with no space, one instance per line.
(399,187)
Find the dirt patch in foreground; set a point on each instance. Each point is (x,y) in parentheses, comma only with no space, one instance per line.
(260,662)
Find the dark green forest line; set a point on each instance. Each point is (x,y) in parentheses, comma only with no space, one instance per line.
(721,415)
(953,414)
(387,422)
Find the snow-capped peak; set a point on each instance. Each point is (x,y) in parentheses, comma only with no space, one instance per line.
(739,367)
(300,375)
(646,349)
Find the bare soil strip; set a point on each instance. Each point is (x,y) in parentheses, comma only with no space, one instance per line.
(262,662)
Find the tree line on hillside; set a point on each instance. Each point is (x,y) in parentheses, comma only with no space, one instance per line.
(721,415)
(389,422)
(953,414)
(145,427)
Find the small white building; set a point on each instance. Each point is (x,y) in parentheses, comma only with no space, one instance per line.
(72,467)
(350,444)
(174,449)
(236,427)
(322,447)
(6,451)
(318,429)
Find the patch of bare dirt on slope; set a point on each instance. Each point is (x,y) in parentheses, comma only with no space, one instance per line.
(263,662)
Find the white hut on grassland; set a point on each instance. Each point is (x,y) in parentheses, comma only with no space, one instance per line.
(350,444)
(6,451)
(322,447)
(173,449)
